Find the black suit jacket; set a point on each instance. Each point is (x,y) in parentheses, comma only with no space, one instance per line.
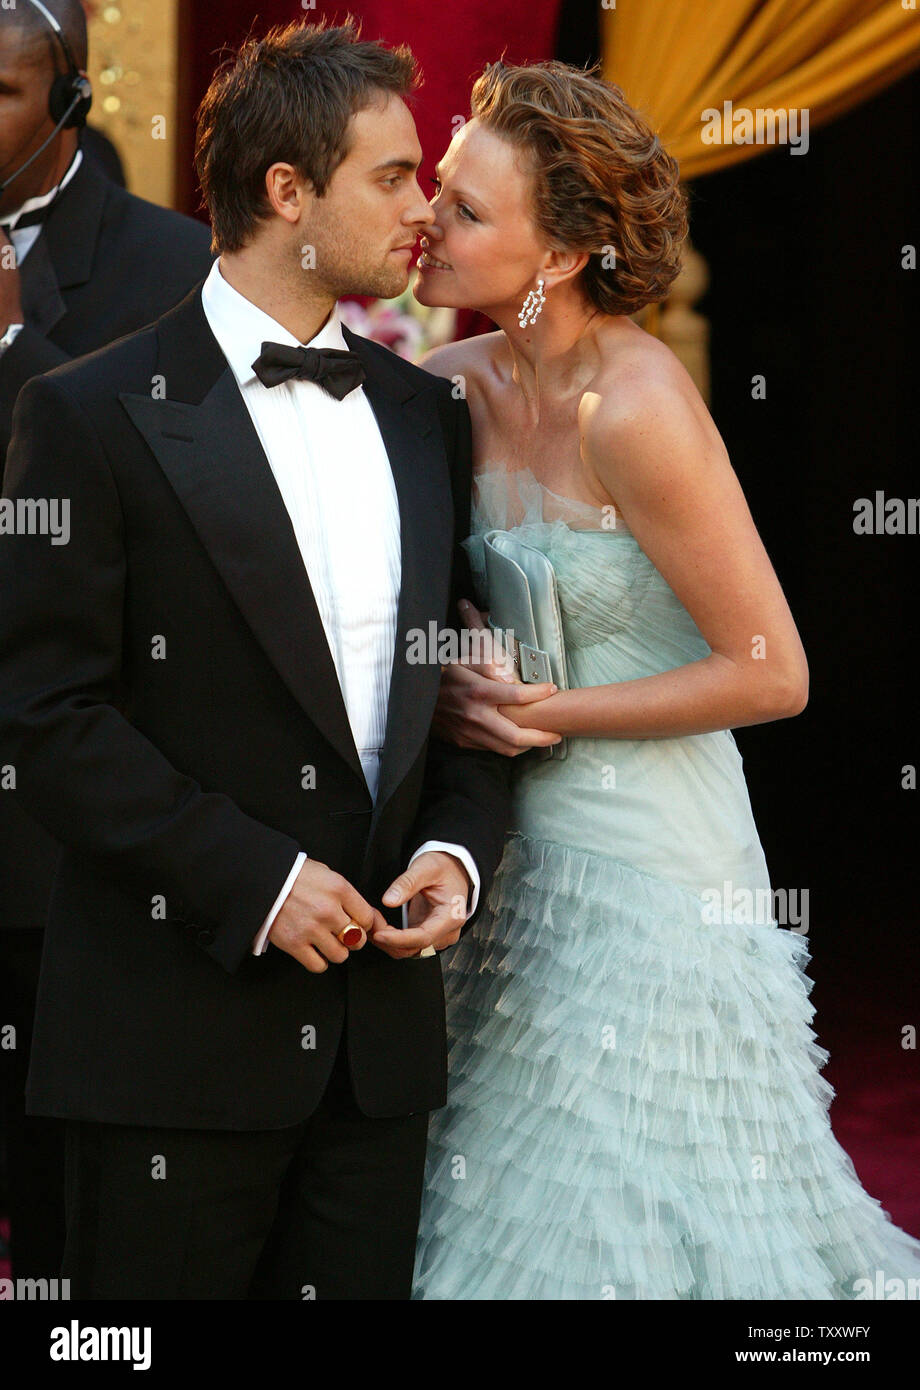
(106,264)
(103,153)
(165,688)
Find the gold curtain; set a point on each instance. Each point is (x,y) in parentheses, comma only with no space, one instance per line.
(675,58)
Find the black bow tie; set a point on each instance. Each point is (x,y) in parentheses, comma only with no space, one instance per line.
(28,219)
(337,372)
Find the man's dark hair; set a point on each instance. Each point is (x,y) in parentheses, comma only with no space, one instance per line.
(286,97)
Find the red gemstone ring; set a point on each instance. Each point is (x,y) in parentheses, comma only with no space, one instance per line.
(352,935)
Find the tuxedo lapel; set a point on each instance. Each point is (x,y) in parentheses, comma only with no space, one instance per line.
(62,255)
(42,302)
(203,438)
(210,452)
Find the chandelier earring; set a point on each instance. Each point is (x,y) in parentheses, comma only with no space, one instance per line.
(532,305)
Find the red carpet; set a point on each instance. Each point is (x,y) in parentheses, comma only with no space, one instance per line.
(876,1115)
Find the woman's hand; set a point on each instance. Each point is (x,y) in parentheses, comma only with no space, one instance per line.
(467,709)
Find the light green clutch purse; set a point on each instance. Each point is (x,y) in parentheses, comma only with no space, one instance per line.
(524,599)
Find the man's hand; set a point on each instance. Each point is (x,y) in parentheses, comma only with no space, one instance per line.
(501,667)
(10,291)
(467,713)
(320,903)
(436,886)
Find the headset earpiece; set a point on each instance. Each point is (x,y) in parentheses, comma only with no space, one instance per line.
(67,88)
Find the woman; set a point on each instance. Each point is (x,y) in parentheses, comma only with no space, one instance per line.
(636,1109)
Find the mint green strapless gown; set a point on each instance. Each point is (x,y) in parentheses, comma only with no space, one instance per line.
(635,1107)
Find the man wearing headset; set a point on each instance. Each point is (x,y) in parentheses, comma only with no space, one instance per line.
(92,262)
(82,262)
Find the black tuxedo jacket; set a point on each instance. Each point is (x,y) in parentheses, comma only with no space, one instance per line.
(166,689)
(106,264)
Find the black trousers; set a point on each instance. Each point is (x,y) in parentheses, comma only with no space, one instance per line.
(32,1147)
(326,1209)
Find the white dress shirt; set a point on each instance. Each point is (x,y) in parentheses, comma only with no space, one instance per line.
(332,470)
(24,240)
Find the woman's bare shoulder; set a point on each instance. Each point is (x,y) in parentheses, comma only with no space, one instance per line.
(641,380)
(473,357)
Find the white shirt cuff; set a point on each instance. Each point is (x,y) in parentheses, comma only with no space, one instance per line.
(13,331)
(466,859)
(260,945)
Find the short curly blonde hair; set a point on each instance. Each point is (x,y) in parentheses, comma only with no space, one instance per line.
(601,178)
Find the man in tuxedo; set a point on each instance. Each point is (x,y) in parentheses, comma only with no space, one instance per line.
(208,672)
(81,262)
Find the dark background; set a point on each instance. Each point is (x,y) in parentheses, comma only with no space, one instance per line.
(807,288)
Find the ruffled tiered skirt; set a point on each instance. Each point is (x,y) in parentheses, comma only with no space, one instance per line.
(636,1109)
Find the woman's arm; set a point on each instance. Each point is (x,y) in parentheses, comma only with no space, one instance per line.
(654,447)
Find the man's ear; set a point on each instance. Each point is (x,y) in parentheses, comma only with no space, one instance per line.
(288,193)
